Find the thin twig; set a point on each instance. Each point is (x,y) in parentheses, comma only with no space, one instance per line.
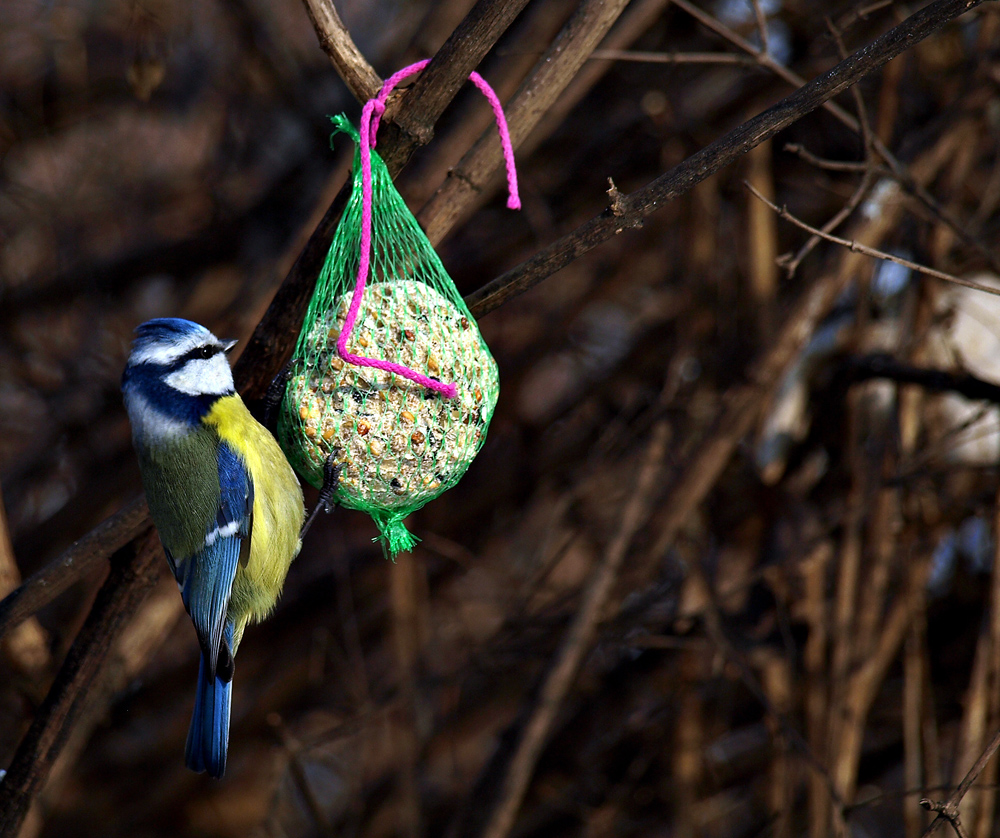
(547,79)
(857,247)
(641,57)
(791,262)
(794,79)
(823,163)
(363,82)
(720,153)
(81,559)
(761,20)
(862,13)
(135,568)
(948,810)
(867,139)
(577,642)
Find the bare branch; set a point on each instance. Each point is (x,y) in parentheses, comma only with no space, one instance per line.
(948,810)
(83,558)
(768,63)
(640,57)
(761,20)
(713,157)
(134,570)
(550,76)
(821,163)
(443,77)
(791,263)
(577,641)
(857,247)
(363,82)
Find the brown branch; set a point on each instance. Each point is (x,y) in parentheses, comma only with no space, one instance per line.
(761,58)
(83,558)
(444,76)
(134,570)
(791,262)
(634,22)
(26,649)
(363,82)
(866,367)
(577,642)
(549,77)
(948,810)
(762,33)
(720,153)
(768,63)
(857,247)
(640,57)
(822,163)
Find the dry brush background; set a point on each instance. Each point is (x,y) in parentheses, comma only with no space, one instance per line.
(726,564)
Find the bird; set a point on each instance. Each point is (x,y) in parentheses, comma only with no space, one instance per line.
(225,501)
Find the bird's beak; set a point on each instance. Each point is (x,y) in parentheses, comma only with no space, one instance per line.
(227,346)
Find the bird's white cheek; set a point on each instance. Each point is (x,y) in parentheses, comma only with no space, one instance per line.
(203,376)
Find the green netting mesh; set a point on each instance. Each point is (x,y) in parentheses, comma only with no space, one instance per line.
(400,444)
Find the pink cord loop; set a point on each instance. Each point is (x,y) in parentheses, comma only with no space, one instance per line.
(371,113)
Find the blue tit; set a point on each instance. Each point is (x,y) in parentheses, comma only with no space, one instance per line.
(224,499)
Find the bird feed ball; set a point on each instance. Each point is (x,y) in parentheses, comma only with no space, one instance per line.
(399,444)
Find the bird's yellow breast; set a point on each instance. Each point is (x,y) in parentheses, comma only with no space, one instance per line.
(278,511)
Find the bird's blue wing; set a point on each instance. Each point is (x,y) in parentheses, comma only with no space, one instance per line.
(206,579)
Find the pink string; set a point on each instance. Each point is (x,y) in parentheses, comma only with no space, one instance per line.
(370,115)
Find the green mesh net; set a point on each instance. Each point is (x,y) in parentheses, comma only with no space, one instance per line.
(400,444)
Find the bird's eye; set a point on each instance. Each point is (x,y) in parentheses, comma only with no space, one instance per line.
(206,351)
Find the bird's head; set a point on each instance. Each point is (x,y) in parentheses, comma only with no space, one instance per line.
(175,371)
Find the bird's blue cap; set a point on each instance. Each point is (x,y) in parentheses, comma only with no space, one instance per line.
(170,329)
(164,340)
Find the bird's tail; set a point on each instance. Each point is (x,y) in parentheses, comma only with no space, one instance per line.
(208,736)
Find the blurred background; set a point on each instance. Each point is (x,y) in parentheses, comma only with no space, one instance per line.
(823,630)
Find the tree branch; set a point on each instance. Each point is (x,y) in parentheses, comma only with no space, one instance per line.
(865,367)
(363,82)
(135,568)
(713,157)
(551,74)
(871,251)
(578,640)
(441,80)
(85,556)
(948,810)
